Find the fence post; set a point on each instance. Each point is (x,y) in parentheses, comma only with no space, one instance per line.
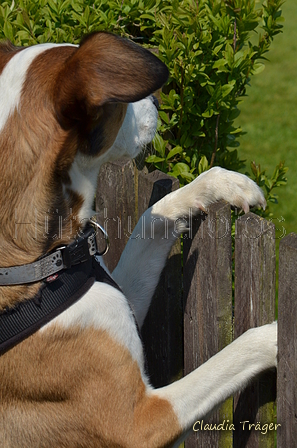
(116,206)
(162,331)
(287,343)
(254,306)
(208,305)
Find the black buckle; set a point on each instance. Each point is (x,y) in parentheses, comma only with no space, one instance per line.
(78,251)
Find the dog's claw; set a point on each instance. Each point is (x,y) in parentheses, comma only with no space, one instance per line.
(245,206)
(263,204)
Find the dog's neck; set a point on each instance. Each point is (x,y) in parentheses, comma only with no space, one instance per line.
(42,218)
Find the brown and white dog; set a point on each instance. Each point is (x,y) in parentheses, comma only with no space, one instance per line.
(80,381)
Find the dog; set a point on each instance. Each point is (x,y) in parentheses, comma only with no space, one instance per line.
(74,375)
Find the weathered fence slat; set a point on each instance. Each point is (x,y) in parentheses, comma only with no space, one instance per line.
(116,206)
(208,305)
(254,305)
(162,330)
(287,343)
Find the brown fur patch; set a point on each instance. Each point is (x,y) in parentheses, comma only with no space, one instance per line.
(7,51)
(78,388)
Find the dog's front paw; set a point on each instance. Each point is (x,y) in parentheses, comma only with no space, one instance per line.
(211,186)
(263,341)
(235,188)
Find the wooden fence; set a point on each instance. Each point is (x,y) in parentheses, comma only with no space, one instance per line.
(196,314)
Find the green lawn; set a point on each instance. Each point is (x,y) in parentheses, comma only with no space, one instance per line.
(269,116)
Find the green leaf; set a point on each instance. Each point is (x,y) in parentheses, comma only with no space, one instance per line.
(219,63)
(159,145)
(154,159)
(217,49)
(203,165)
(181,168)
(174,151)
(208,113)
(147,16)
(187,176)
(236,131)
(257,68)
(229,54)
(227,88)
(8,30)
(164,116)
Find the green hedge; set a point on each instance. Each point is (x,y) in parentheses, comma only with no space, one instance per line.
(211,47)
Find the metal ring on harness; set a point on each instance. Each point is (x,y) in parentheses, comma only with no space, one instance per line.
(96,225)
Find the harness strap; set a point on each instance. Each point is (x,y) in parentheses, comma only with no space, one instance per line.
(54,297)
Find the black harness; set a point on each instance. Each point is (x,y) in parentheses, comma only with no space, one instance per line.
(78,271)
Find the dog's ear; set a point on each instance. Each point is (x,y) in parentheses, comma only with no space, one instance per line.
(106,68)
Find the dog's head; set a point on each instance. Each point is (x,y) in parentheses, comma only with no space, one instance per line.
(65,110)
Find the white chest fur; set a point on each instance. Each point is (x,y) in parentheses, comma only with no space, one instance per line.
(105,308)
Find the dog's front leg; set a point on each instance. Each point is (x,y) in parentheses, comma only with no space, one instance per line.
(145,254)
(199,393)
(144,257)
